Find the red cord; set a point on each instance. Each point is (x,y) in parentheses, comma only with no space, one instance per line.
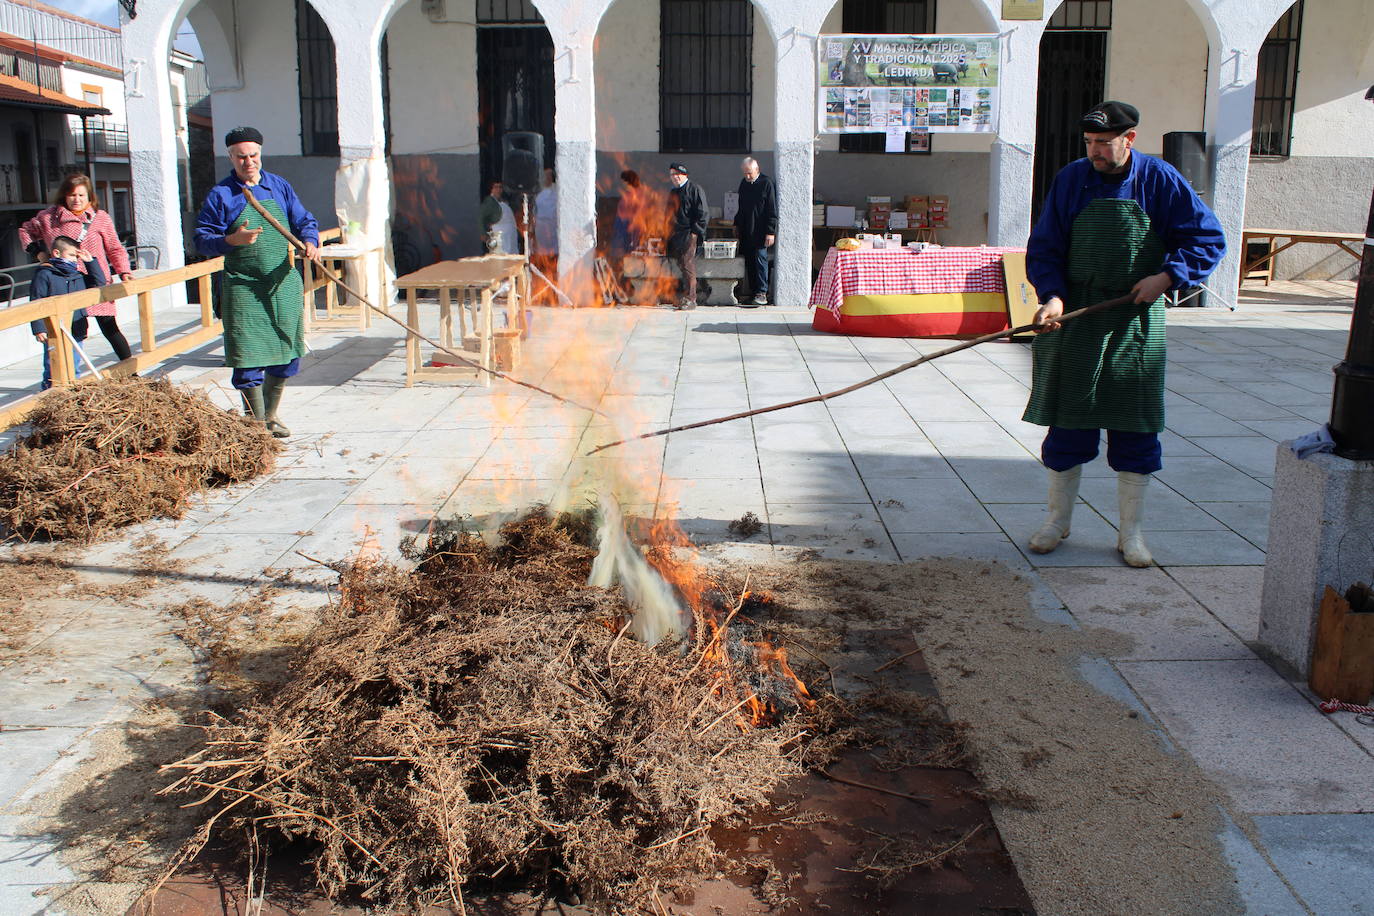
(1330,706)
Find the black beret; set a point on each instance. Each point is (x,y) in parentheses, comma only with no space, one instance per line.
(1109,117)
(678,167)
(243,135)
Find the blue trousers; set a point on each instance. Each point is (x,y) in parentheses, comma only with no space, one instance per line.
(252,378)
(1135,453)
(755,269)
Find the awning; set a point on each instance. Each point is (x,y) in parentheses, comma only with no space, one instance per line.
(23,94)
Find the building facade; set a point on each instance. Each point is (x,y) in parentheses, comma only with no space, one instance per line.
(417,94)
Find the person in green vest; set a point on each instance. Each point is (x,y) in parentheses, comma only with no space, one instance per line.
(262,294)
(1114,222)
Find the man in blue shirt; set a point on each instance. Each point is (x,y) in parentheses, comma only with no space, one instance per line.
(1114,222)
(262,301)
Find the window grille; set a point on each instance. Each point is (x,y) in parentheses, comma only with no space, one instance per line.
(884,17)
(1276,86)
(318,83)
(1095,15)
(705,85)
(508,12)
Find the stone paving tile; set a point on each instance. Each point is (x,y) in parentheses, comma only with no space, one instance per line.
(1165,510)
(1248,519)
(728,458)
(1005,480)
(852,532)
(421,481)
(1160,618)
(907,457)
(1202,548)
(909,506)
(29,863)
(987,546)
(1231,593)
(1283,430)
(976,439)
(517,459)
(1203,421)
(832,480)
(283,506)
(1328,858)
(1261,890)
(1252,454)
(28,752)
(1257,736)
(1092,541)
(1211,480)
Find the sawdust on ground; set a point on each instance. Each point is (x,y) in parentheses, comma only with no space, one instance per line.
(1099,817)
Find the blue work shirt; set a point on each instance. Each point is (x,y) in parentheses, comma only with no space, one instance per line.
(1190,232)
(224,204)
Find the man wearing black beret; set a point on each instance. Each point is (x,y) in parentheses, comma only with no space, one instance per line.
(688,229)
(1115,222)
(262,293)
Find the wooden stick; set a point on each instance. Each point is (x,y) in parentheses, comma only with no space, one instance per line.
(963,345)
(923,799)
(329,274)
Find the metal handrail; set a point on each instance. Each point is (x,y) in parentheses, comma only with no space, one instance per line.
(133,251)
(10,275)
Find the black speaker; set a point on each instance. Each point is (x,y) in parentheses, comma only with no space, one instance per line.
(1186,150)
(522,161)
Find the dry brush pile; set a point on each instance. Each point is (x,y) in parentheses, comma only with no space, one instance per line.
(107,454)
(485,721)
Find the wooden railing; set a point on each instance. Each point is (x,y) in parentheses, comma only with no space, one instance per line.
(56,314)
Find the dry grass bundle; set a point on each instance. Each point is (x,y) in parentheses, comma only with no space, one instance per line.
(120,451)
(485,721)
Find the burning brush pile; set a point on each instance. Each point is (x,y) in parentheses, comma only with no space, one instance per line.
(488,720)
(107,454)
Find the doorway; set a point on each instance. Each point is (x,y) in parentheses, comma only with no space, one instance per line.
(1073,78)
(514,79)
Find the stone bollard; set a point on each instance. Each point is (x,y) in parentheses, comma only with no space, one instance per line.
(1321,532)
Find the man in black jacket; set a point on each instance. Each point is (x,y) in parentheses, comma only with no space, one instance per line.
(689,228)
(756,227)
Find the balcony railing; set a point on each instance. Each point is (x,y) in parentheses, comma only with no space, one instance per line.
(106,140)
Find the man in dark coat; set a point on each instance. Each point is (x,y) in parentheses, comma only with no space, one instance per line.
(756,227)
(689,228)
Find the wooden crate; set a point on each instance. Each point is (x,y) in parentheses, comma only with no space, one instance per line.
(1343,652)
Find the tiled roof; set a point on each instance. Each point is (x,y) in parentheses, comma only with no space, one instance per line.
(16,91)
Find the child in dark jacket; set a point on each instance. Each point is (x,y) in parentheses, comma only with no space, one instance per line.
(55,277)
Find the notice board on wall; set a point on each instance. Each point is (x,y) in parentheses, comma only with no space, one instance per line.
(936,83)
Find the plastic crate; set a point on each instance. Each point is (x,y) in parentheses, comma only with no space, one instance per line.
(721,248)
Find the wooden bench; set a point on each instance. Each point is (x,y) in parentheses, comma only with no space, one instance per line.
(1349,241)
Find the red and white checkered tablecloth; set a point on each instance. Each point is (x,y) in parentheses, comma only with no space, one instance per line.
(903,272)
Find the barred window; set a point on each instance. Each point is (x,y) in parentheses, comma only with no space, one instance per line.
(508,12)
(1082,14)
(1276,86)
(318,82)
(706,78)
(884,17)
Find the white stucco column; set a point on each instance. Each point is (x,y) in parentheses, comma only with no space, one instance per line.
(794,153)
(152,158)
(1235,31)
(362,186)
(573,31)
(1012,166)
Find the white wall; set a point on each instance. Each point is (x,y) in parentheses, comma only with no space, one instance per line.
(1335,69)
(1165,76)
(433,83)
(626,68)
(269,98)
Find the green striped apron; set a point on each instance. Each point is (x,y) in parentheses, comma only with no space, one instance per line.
(1106,370)
(263,296)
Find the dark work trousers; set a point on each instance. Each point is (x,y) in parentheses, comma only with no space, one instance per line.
(109,326)
(755,269)
(687,263)
(1138,453)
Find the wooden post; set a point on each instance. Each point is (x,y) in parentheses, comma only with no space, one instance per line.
(60,366)
(146,332)
(484,333)
(206,289)
(446,316)
(308,297)
(1343,652)
(412,342)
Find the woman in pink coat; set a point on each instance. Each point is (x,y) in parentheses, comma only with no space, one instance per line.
(77,215)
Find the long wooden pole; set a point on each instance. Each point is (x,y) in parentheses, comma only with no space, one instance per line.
(330,275)
(963,345)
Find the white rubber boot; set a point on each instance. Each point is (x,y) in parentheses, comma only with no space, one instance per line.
(1130,497)
(1063,494)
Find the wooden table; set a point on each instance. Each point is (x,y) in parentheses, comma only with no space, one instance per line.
(337,312)
(1349,241)
(476,282)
